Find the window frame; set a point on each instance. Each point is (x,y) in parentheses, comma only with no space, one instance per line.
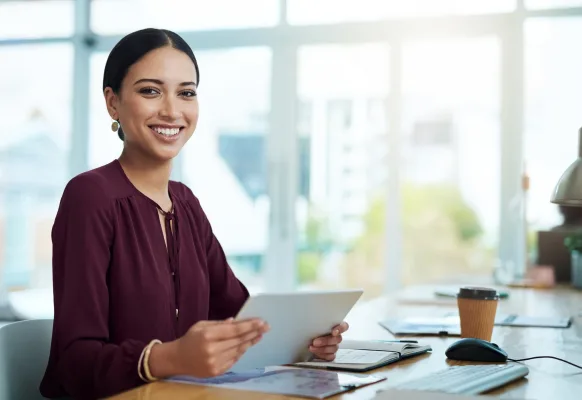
(284,41)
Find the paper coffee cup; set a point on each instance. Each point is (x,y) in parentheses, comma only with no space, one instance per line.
(477,308)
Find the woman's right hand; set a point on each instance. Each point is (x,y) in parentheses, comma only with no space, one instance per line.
(209,348)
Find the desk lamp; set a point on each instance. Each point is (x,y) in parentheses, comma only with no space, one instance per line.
(568,191)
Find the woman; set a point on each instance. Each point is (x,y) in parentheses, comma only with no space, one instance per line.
(142,288)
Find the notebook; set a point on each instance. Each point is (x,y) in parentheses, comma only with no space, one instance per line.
(364,355)
(437,326)
(525,321)
(449,325)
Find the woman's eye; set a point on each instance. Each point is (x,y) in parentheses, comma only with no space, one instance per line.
(188,93)
(149,91)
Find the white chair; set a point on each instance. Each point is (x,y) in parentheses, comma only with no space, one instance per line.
(32,303)
(24,353)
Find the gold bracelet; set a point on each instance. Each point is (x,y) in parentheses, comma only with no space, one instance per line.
(146,360)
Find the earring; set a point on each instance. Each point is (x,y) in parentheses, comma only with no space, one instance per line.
(115,126)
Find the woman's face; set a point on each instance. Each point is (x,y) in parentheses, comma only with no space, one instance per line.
(157,105)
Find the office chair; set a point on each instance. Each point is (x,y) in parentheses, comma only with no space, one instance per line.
(24,353)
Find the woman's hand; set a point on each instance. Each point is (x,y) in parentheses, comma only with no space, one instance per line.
(325,347)
(209,348)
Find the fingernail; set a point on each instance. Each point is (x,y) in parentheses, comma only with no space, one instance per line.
(317,342)
(335,332)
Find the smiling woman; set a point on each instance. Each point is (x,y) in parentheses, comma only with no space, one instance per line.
(153,89)
(138,273)
(166,57)
(142,288)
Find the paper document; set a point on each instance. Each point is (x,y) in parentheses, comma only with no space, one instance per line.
(348,356)
(317,384)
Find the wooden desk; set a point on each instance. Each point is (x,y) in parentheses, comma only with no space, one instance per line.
(547,378)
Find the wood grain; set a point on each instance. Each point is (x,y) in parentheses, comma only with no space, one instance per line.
(547,378)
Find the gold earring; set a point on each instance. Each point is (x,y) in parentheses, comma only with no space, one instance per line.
(115,126)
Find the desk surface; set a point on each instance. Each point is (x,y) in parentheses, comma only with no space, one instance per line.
(547,378)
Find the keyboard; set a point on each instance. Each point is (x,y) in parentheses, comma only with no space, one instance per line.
(467,379)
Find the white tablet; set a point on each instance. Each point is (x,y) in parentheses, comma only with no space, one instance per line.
(295,319)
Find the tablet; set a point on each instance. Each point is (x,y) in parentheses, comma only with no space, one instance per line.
(295,319)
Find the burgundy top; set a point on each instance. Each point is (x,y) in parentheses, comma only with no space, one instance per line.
(116,285)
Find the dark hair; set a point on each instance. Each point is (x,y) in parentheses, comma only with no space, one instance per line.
(132,48)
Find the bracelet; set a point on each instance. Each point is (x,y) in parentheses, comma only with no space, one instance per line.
(146,360)
(139,364)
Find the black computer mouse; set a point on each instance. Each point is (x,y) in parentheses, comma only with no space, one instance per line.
(476,350)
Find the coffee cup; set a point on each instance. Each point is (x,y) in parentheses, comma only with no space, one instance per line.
(477,309)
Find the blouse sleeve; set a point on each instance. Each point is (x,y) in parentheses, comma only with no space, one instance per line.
(227,292)
(84,363)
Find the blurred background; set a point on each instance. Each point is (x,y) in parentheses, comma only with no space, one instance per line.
(341,143)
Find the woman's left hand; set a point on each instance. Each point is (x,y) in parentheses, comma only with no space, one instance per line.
(325,347)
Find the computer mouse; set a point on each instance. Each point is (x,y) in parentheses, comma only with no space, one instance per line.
(475,350)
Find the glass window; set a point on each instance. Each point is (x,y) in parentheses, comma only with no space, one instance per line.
(26,19)
(121,16)
(552,117)
(332,11)
(225,161)
(104,144)
(450,171)
(35,110)
(342,90)
(537,4)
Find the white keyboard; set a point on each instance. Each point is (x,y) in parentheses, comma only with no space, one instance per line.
(467,379)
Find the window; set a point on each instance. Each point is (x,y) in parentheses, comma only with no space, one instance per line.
(450,152)
(537,4)
(334,227)
(27,19)
(224,162)
(450,171)
(104,144)
(35,110)
(123,16)
(552,117)
(301,12)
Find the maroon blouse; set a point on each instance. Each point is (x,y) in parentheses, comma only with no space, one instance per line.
(116,285)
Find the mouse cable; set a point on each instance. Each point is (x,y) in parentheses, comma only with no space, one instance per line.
(555,358)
